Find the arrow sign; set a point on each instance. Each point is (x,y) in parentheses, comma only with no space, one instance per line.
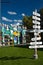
(15,29)
(35,26)
(35,18)
(33,43)
(36,34)
(36,14)
(39,46)
(38,31)
(37,38)
(36,22)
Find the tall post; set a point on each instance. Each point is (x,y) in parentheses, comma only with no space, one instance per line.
(35,50)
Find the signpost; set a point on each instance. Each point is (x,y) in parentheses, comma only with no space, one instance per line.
(35,41)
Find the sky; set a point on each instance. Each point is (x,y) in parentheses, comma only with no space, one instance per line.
(13,10)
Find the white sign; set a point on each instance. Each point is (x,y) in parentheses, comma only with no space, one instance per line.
(11,31)
(38,31)
(37,38)
(36,22)
(36,34)
(38,46)
(15,28)
(35,13)
(7,28)
(35,26)
(34,17)
(33,43)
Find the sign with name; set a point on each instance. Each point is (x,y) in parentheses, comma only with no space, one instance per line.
(35,26)
(37,38)
(34,17)
(35,13)
(36,22)
(38,46)
(33,43)
(36,34)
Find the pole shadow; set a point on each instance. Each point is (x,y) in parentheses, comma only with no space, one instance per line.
(14,58)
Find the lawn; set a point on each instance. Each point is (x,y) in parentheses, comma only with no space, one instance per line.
(19,56)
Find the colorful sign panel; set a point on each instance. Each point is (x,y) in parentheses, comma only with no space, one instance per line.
(16,33)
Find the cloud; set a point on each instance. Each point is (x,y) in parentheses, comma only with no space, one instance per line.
(5,19)
(12,13)
(23,14)
(17,20)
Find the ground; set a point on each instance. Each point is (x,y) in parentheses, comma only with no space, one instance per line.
(19,56)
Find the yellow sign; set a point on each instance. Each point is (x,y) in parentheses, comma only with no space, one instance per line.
(16,33)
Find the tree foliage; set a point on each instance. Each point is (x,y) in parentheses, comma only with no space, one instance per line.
(27,20)
(41,13)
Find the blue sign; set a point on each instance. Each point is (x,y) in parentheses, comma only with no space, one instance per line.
(15,40)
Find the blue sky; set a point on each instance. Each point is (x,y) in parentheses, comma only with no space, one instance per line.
(18,7)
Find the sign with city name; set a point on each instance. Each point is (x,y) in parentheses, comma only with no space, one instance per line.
(35,13)
(34,17)
(33,43)
(38,46)
(36,22)
(37,38)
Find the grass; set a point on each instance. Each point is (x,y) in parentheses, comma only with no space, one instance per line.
(19,56)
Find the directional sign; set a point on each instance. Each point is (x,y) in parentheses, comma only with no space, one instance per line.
(7,32)
(33,43)
(16,33)
(35,26)
(38,31)
(11,31)
(36,22)
(37,38)
(37,14)
(15,39)
(38,46)
(34,17)
(7,28)
(36,34)
(41,30)
(15,29)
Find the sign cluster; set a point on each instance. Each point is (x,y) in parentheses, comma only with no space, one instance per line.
(36,40)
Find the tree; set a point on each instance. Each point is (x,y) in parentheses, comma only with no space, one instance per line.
(41,13)
(27,20)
